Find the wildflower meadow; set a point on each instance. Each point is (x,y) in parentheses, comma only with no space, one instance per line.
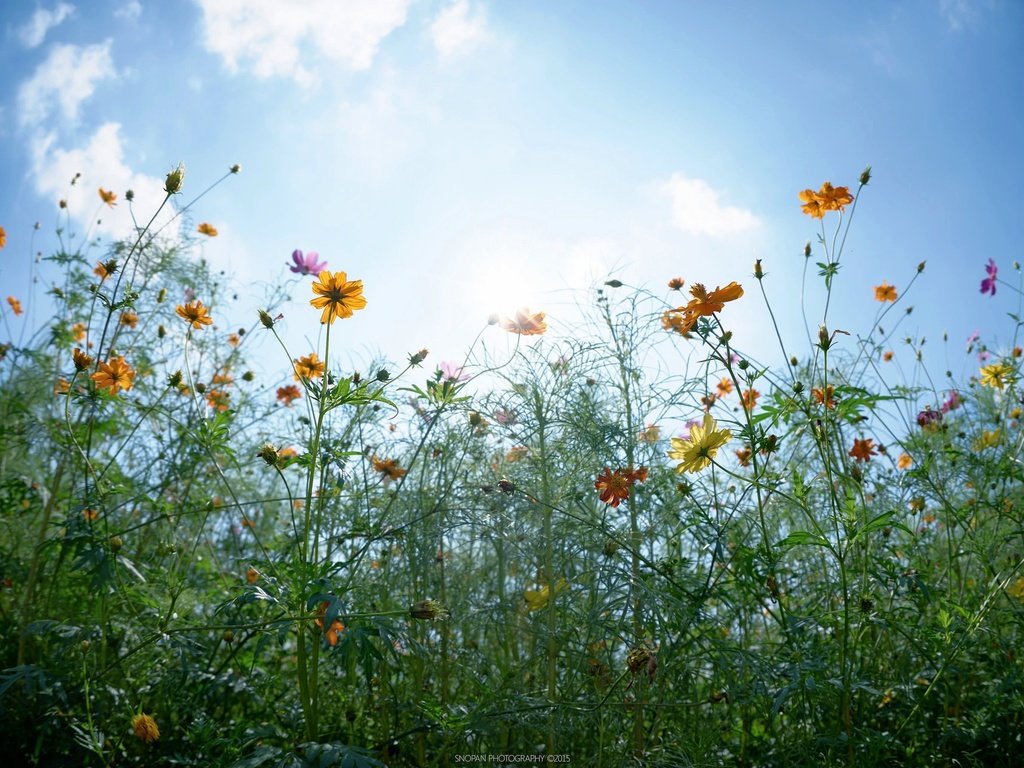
(635,542)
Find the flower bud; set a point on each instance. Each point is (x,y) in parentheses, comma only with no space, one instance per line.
(865,176)
(429,610)
(418,357)
(266,319)
(269,454)
(613,283)
(920,267)
(236,168)
(174,380)
(172,185)
(383,374)
(129,195)
(116,542)
(807,249)
(758,272)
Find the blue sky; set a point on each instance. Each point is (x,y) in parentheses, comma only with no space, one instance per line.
(464,157)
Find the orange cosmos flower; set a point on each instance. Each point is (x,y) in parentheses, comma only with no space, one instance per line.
(15,305)
(675,321)
(614,486)
(812,204)
(90,515)
(218,399)
(749,399)
(114,375)
(308,367)
(705,303)
(104,269)
(62,387)
(904,461)
(337,296)
(724,387)
(195,314)
(145,727)
(885,292)
(107,197)
(517,453)
(744,454)
(252,575)
(82,360)
(824,397)
(887,356)
(863,450)
(129,318)
(207,229)
(78,331)
(234,339)
(3,237)
(288,394)
(676,283)
(524,323)
(834,198)
(333,631)
(389,468)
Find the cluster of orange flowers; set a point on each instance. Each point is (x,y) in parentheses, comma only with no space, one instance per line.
(614,486)
(828,198)
(388,468)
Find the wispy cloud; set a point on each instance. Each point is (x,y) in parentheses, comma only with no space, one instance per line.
(456,30)
(33,32)
(63,81)
(275,39)
(130,10)
(696,208)
(102,164)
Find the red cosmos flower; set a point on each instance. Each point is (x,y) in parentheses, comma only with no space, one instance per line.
(614,486)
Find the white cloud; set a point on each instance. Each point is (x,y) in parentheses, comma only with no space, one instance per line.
(101,163)
(33,32)
(66,79)
(696,208)
(456,31)
(274,39)
(130,10)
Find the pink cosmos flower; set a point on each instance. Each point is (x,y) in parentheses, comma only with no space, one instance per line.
(504,416)
(952,402)
(308,264)
(453,372)
(988,285)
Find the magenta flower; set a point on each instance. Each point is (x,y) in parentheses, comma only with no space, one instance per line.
(505,417)
(452,372)
(928,418)
(988,285)
(952,402)
(308,264)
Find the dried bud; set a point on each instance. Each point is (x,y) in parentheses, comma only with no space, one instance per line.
(475,419)
(356,378)
(419,357)
(172,185)
(429,610)
(266,319)
(174,380)
(506,486)
(640,659)
(865,176)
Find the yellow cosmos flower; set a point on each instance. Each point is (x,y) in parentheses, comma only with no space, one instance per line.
(114,375)
(537,599)
(107,197)
(997,375)
(195,314)
(525,323)
(308,367)
(337,296)
(1016,589)
(696,452)
(987,439)
(15,305)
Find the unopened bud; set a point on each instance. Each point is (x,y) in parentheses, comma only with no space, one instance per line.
(865,176)
(172,185)
(613,283)
(266,319)
(161,296)
(129,195)
(174,380)
(920,267)
(418,357)
(807,249)
(383,374)
(236,168)
(758,272)
(823,340)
